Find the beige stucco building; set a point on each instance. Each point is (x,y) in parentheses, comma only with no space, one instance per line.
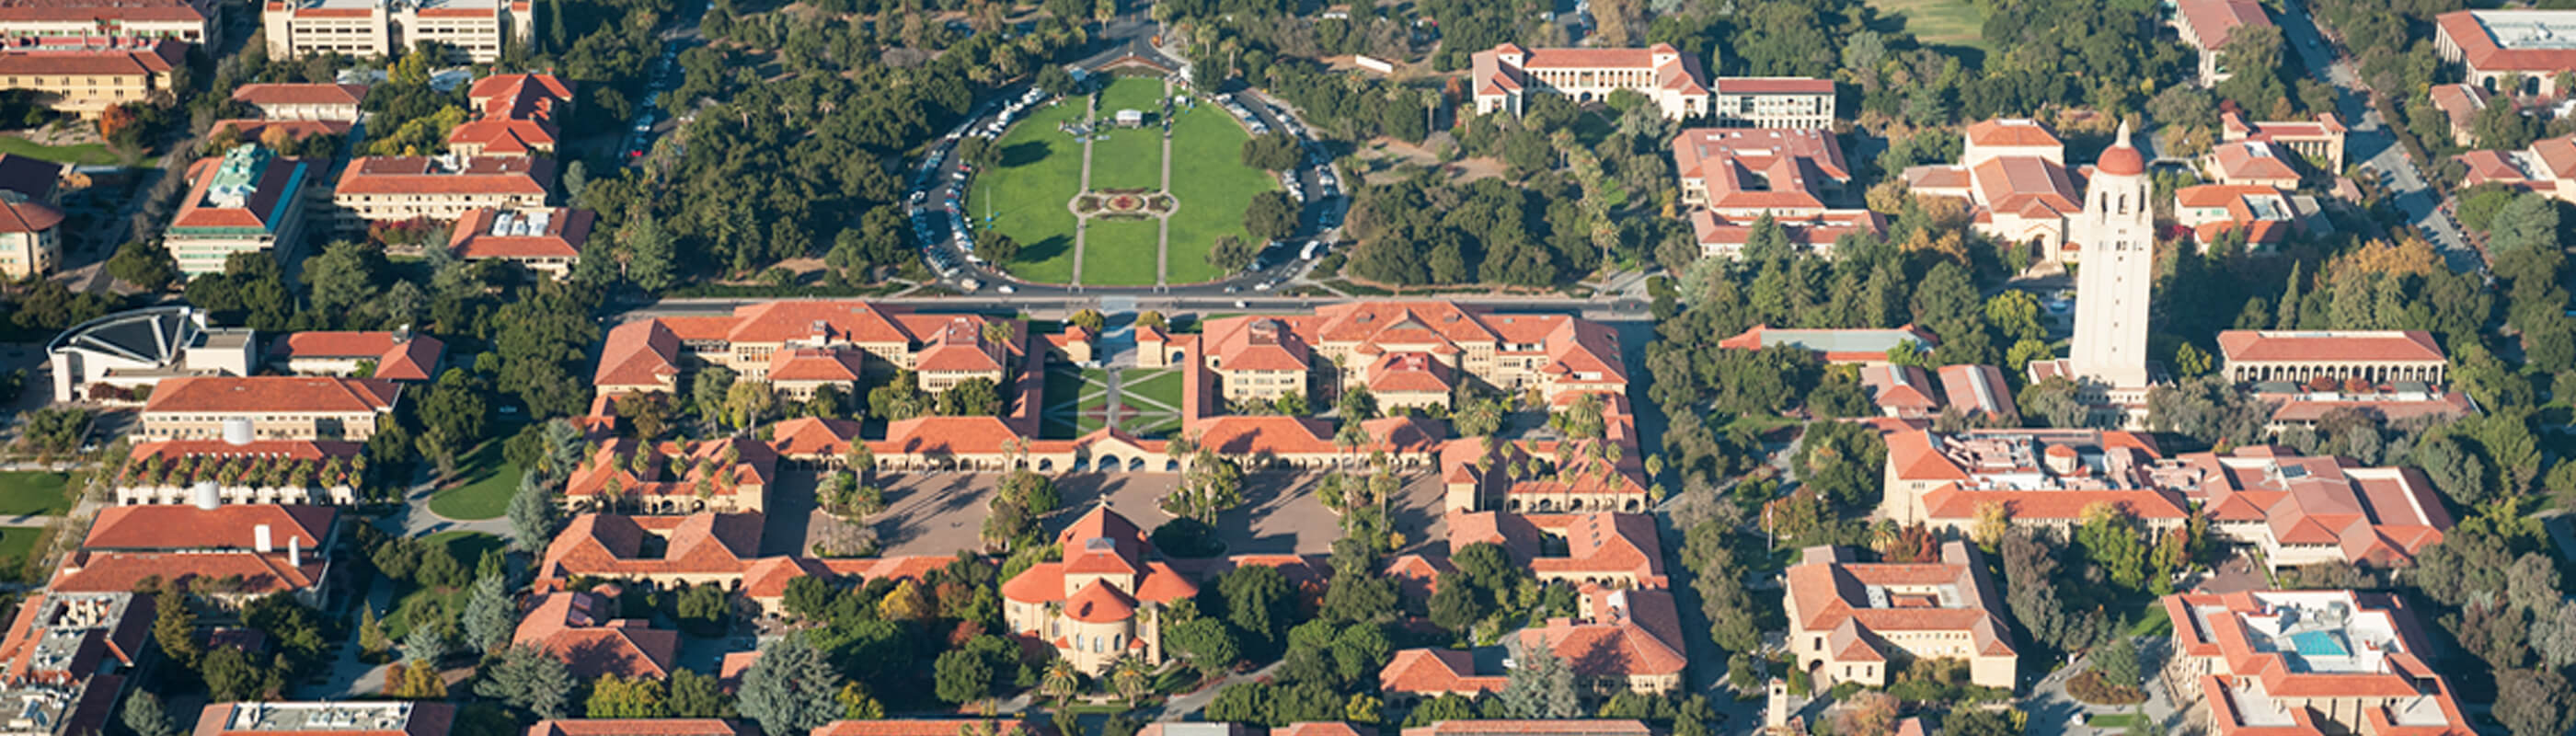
(2306,662)
(1102,603)
(1393,345)
(1855,622)
(88,81)
(375,28)
(800,346)
(276,407)
(399,188)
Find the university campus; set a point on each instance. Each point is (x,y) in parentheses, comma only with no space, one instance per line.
(1244,367)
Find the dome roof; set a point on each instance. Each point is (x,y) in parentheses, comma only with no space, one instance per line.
(2122,159)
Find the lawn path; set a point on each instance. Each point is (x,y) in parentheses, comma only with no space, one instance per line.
(1082,224)
(1163,223)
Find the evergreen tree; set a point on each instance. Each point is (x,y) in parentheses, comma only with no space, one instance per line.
(490,616)
(791,688)
(650,255)
(174,627)
(1540,685)
(145,714)
(532,513)
(529,678)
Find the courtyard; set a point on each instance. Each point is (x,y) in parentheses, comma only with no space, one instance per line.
(942,513)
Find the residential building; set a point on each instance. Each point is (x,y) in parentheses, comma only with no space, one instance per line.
(1720,236)
(137,349)
(1260,358)
(262,471)
(1532,728)
(2013,175)
(2306,510)
(925,727)
(2263,213)
(303,101)
(1505,75)
(942,349)
(517,116)
(2319,141)
(1851,621)
(2492,45)
(2206,25)
(50,23)
(1104,601)
(644,727)
(249,201)
(1774,102)
(727,475)
(65,661)
(476,29)
(1864,346)
(2547,167)
(1611,550)
(722,549)
(1750,172)
(227,554)
(1620,641)
(30,233)
(2296,405)
(2460,103)
(2298,510)
(2307,663)
(546,241)
(1479,477)
(2118,243)
(2369,356)
(1901,391)
(88,80)
(275,407)
(1978,393)
(585,631)
(2252,163)
(1417,675)
(2043,477)
(339,718)
(393,355)
(399,188)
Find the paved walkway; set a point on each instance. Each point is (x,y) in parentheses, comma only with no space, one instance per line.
(1163,222)
(1081,224)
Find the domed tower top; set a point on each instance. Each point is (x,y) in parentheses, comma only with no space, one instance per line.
(2121,159)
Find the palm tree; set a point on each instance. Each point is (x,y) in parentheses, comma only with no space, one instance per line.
(1061,679)
(1130,676)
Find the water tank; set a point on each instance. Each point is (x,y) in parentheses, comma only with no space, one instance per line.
(206,496)
(237,431)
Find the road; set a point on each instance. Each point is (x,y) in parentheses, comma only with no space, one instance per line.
(1620,309)
(2372,144)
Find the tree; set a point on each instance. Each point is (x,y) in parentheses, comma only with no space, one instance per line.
(1981,722)
(1256,599)
(532,513)
(231,675)
(1210,484)
(858,704)
(999,248)
(147,267)
(530,679)
(174,626)
(650,255)
(618,697)
(1132,677)
(904,603)
(1541,686)
(145,714)
(790,689)
(1271,216)
(746,402)
(2453,468)
(1204,643)
(697,696)
(1453,605)
(1867,712)
(962,677)
(2118,662)
(2534,702)
(490,618)
(1232,253)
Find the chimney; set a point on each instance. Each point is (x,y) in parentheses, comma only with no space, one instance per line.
(207,496)
(259,541)
(295,551)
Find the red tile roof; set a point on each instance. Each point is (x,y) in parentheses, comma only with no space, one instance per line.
(273,395)
(159,58)
(1533,728)
(398,356)
(231,526)
(643,353)
(1761,168)
(117,572)
(583,630)
(2479,50)
(566,231)
(421,175)
(2211,21)
(919,727)
(612,545)
(2351,346)
(1436,671)
(301,94)
(1828,592)
(644,727)
(425,718)
(2011,132)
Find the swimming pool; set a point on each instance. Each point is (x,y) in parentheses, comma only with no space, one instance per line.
(2318,644)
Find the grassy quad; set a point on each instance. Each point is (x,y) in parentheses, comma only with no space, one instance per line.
(78,154)
(1940,22)
(1213,192)
(1121,252)
(487,495)
(30,493)
(1131,158)
(1027,194)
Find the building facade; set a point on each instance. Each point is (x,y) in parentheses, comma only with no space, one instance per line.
(2492,45)
(88,80)
(400,188)
(1851,621)
(794,339)
(477,29)
(308,101)
(276,407)
(2012,173)
(1505,75)
(1102,603)
(546,241)
(249,201)
(1261,358)
(2373,357)
(2306,662)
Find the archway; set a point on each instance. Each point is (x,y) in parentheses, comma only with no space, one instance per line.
(1136,464)
(1171,466)
(1046,464)
(1106,463)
